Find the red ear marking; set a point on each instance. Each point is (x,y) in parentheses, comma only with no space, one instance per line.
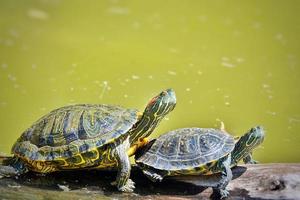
(152,100)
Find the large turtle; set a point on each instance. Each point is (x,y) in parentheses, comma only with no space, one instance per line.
(197,151)
(87,136)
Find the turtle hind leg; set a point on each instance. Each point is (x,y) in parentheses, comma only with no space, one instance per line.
(12,166)
(152,175)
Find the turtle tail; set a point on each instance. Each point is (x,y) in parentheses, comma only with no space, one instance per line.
(11,166)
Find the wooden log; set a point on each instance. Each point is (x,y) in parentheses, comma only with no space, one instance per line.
(262,181)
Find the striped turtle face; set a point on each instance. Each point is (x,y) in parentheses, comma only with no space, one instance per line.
(162,104)
(158,107)
(250,140)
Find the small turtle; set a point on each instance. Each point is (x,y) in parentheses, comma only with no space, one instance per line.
(197,151)
(87,136)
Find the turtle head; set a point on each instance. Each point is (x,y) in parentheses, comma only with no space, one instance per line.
(249,141)
(161,104)
(157,108)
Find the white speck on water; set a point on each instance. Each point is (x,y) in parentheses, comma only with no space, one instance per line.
(70,72)
(279,36)
(265,86)
(11,77)
(65,188)
(271,113)
(122,83)
(3,103)
(167,118)
(118,10)
(224,58)
(256,25)
(240,60)
(71,89)
(188,89)
(150,77)
(37,14)
(228,21)
(33,66)
(97,82)
(172,73)
(236,33)
(190,101)
(125,96)
(16,86)
(202,18)
(9,42)
(52,79)
(136,25)
(199,72)
(227,103)
(269,74)
(173,50)
(14,33)
(4,66)
(293,120)
(228,65)
(135,77)
(105,87)
(127,80)
(218,89)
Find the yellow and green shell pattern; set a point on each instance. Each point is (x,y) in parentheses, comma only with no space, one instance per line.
(74,136)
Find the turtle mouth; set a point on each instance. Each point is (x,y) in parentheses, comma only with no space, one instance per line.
(168,96)
(257,132)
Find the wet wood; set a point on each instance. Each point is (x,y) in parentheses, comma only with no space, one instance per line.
(263,181)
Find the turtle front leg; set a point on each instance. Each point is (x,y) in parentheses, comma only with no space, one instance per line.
(249,159)
(123,182)
(11,166)
(226,177)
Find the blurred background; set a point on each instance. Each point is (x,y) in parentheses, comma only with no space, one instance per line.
(235,61)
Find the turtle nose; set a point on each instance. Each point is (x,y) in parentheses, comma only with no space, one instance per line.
(258,132)
(171,95)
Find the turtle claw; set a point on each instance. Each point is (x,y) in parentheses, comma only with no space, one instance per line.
(154,177)
(128,187)
(223,193)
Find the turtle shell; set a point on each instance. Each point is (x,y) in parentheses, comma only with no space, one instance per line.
(74,129)
(187,148)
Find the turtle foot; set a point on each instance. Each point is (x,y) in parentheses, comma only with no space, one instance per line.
(223,193)
(7,171)
(153,176)
(128,187)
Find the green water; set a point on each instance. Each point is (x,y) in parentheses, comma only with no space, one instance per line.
(235,61)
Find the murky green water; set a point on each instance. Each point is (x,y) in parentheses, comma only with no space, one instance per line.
(236,61)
